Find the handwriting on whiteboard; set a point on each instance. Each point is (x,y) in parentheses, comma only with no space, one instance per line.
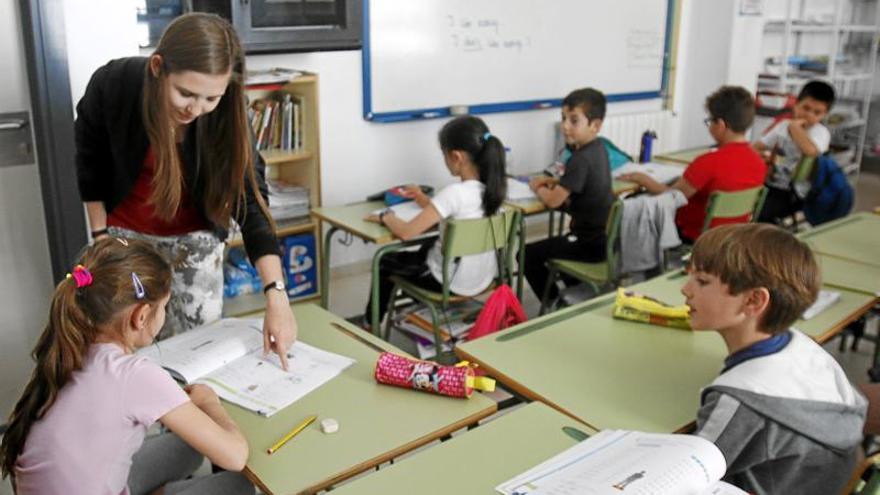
(477,34)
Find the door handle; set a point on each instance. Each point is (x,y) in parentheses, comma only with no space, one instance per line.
(12,124)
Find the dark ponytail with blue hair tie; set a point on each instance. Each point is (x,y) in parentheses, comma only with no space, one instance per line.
(471,135)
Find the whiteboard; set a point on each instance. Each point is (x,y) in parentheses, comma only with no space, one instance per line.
(421,57)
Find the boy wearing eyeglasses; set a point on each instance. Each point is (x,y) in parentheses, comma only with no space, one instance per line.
(734,166)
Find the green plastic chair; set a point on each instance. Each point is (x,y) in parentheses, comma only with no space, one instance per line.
(734,204)
(802,173)
(595,274)
(461,238)
(724,205)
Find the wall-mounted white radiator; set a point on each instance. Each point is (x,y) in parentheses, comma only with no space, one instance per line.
(626,130)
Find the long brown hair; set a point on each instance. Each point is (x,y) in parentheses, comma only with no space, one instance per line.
(76,317)
(207,44)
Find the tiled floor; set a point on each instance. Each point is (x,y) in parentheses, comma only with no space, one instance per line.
(349,286)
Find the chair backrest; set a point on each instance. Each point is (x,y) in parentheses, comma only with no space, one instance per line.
(734,204)
(479,235)
(804,170)
(612,234)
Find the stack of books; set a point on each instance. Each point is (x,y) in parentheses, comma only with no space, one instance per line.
(454,325)
(287,201)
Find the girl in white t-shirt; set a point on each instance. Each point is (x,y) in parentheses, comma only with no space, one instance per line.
(476,157)
(80,424)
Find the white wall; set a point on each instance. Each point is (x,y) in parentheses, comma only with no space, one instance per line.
(24,251)
(717,46)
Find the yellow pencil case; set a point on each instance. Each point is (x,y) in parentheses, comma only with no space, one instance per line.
(629,305)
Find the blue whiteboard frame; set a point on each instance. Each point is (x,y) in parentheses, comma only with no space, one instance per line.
(510,106)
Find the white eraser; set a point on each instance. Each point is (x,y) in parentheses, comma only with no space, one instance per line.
(329,425)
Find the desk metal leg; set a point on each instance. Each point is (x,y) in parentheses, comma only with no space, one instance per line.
(374,285)
(375,324)
(521,257)
(325,268)
(550,223)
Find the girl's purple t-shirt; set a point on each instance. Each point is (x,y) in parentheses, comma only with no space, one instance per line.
(85,442)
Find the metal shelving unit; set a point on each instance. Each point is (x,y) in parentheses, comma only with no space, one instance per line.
(836,41)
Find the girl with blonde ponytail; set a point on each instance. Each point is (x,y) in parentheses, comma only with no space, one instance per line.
(80,423)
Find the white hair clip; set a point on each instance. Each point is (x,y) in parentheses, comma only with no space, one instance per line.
(139,291)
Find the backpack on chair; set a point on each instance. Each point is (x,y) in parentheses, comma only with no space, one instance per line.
(830,195)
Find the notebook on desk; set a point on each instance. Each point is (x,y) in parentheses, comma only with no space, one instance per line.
(227,356)
(404,211)
(662,173)
(518,190)
(616,461)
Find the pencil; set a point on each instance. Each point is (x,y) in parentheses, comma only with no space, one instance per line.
(294,432)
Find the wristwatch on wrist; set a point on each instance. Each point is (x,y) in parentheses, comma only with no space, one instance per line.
(276,285)
(382,215)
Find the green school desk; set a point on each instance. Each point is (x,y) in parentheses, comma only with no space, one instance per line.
(477,461)
(376,422)
(350,219)
(855,237)
(682,156)
(843,273)
(530,207)
(617,374)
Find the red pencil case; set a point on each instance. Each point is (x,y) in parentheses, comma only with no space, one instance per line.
(454,381)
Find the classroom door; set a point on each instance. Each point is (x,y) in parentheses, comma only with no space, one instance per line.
(24,252)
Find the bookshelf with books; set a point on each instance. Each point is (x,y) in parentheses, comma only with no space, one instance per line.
(283,111)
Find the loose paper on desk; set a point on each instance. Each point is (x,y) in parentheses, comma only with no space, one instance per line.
(227,356)
(629,462)
(518,190)
(825,299)
(404,211)
(661,172)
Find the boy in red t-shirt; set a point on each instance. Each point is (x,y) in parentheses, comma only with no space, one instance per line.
(734,166)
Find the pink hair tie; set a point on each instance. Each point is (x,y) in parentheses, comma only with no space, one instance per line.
(81,276)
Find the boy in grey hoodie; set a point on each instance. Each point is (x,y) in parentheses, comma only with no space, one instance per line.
(782,411)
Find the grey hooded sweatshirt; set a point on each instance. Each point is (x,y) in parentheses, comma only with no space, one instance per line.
(787,422)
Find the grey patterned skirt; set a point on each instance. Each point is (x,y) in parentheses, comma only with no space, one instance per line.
(197,277)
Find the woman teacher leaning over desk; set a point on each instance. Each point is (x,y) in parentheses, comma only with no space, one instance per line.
(164,153)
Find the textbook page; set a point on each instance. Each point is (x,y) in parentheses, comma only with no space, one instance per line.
(661,172)
(258,382)
(227,355)
(615,461)
(191,354)
(404,211)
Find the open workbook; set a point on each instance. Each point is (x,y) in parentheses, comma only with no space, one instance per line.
(227,356)
(661,172)
(628,462)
